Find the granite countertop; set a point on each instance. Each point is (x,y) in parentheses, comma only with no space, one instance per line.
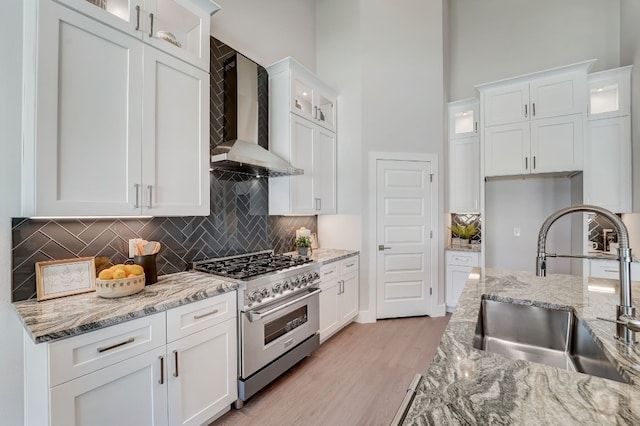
(325,255)
(468,386)
(466,247)
(67,316)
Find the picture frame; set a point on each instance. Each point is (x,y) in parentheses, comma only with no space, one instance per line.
(314,241)
(60,278)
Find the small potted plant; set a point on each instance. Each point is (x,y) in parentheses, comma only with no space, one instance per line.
(463,233)
(303,244)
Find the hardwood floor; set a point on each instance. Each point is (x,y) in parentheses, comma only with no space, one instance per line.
(358,377)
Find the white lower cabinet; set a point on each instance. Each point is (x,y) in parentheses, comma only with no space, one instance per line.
(459,265)
(339,296)
(128,374)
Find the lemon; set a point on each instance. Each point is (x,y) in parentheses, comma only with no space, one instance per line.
(119,274)
(106,274)
(118,267)
(135,269)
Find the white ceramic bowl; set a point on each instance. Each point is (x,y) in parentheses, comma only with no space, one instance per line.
(111,289)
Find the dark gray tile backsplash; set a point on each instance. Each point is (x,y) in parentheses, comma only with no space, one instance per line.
(238,221)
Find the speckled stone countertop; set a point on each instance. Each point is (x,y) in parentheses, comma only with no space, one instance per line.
(326,255)
(468,386)
(466,247)
(67,316)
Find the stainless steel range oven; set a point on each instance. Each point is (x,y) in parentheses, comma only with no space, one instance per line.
(278,314)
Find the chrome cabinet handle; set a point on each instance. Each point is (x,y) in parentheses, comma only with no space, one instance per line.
(150,188)
(137,187)
(161,370)
(151,28)
(315,112)
(215,311)
(350,265)
(525,110)
(138,18)
(526,163)
(534,162)
(533,109)
(175,354)
(318,203)
(475,127)
(117,345)
(383,247)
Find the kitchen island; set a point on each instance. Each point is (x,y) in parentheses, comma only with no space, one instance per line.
(469,386)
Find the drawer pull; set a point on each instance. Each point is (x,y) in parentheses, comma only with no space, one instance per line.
(117,345)
(350,265)
(612,270)
(161,370)
(215,311)
(462,259)
(175,354)
(328,272)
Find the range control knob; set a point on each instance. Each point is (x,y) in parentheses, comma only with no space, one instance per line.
(286,285)
(309,277)
(264,292)
(316,276)
(296,282)
(255,296)
(303,279)
(277,288)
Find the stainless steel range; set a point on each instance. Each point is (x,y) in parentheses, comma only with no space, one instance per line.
(278,322)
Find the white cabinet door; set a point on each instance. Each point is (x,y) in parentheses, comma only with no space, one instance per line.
(86,147)
(507,149)
(175,150)
(507,104)
(348,297)
(309,101)
(464,175)
(559,95)
(463,118)
(556,144)
(328,308)
(608,175)
(302,156)
(459,265)
(610,93)
(324,171)
(131,392)
(202,374)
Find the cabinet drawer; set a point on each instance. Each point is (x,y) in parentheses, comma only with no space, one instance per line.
(197,316)
(605,269)
(329,272)
(77,356)
(462,258)
(349,265)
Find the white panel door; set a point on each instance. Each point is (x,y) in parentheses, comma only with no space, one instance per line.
(404,211)
(202,374)
(556,144)
(175,150)
(302,152)
(131,392)
(506,150)
(88,131)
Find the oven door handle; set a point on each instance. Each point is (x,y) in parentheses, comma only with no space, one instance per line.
(257,316)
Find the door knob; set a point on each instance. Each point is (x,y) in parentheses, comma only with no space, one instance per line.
(382,247)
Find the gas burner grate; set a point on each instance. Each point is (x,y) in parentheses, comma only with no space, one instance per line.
(249,265)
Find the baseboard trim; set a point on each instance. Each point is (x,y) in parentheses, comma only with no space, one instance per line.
(439,310)
(365,317)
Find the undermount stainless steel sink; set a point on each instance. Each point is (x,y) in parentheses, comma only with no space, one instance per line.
(551,336)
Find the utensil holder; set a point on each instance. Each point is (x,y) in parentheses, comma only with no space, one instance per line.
(148,263)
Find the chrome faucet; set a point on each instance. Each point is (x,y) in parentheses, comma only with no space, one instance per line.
(626,322)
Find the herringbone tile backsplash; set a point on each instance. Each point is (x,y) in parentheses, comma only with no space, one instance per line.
(238,222)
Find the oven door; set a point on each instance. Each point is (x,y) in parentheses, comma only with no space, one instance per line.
(273,329)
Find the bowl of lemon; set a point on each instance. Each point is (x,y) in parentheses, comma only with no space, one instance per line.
(119,281)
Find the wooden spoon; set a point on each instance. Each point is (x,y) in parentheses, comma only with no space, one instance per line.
(157,248)
(150,248)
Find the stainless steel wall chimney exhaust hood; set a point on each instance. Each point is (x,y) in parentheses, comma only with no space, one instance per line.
(240,153)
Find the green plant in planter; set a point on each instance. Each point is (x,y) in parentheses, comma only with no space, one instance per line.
(464,231)
(303,242)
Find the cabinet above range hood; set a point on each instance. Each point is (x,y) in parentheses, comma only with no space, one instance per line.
(240,153)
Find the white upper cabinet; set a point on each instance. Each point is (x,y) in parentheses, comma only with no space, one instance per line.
(178,27)
(610,93)
(463,118)
(464,157)
(125,133)
(535,123)
(302,114)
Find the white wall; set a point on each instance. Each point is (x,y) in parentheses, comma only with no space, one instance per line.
(11,387)
(495,39)
(267,31)
(389,71)
(525,204)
